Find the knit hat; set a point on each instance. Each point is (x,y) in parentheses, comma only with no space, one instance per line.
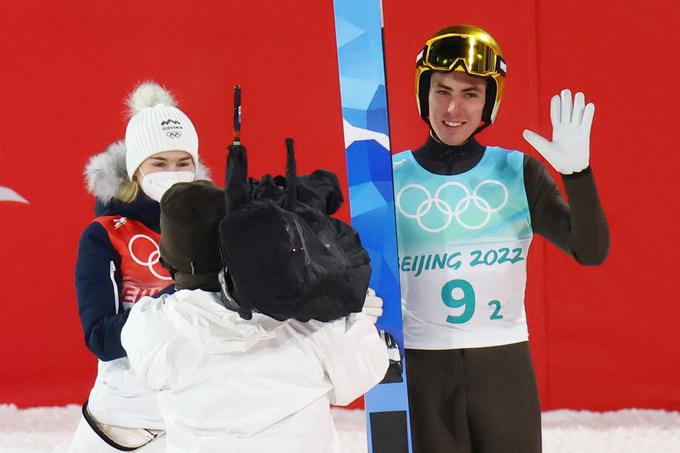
(190,217)
(156,125)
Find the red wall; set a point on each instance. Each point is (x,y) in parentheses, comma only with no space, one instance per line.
(603,338)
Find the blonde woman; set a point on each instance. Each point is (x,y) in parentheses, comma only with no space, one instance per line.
(118,263)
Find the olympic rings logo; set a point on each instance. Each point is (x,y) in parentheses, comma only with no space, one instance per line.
(174,134)
(153,259)
(462,206)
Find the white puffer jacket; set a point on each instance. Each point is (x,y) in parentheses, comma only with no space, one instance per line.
(230,385)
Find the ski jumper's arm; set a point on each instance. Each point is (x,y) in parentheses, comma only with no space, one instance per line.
(579,227)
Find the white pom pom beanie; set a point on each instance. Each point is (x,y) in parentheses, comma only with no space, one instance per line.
(156,125)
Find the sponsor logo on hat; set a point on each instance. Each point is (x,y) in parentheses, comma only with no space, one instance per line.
(172,128)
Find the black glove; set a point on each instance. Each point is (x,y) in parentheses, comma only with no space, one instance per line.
(395,369)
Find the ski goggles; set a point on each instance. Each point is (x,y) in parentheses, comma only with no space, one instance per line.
(445,53)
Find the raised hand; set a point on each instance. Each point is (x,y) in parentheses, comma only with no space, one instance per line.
(569,151)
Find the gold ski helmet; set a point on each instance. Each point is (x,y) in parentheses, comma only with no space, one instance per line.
(463,48)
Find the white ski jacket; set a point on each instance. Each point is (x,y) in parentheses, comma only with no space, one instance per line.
(230,385)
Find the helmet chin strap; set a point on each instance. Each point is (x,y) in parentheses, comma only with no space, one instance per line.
(482,125)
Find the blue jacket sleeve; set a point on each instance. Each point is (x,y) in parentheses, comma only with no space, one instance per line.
(98,286)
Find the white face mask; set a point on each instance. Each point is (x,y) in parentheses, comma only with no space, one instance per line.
(156,184)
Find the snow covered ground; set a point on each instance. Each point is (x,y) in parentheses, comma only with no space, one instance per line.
(633,430)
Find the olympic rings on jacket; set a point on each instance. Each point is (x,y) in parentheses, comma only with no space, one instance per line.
(445,209)
(153,258)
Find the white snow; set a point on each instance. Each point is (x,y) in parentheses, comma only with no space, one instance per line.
(627,431)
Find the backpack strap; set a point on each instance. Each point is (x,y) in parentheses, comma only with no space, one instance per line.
(148,435)
(290,197)
(236,196)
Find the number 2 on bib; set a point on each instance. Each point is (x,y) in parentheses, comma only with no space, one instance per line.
(460,293)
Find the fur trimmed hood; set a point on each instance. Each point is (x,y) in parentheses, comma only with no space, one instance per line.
(105,172)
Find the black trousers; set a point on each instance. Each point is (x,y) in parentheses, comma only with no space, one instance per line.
(477,400)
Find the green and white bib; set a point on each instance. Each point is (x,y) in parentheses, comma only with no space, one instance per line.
(463,245)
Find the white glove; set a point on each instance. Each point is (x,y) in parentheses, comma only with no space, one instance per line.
(569,150)
(372,306)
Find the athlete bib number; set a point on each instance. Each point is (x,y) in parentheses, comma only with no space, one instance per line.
(460,293)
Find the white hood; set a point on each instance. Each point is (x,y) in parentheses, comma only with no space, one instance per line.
(202,319)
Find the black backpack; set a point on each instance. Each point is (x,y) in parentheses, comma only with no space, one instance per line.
(284,257)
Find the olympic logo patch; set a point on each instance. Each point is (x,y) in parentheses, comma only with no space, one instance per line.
(148,248)
(174,134)
(472,211)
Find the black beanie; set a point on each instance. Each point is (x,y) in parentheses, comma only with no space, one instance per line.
(190,217)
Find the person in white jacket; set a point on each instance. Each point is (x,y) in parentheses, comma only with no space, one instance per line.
(227,384)
(118,264)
